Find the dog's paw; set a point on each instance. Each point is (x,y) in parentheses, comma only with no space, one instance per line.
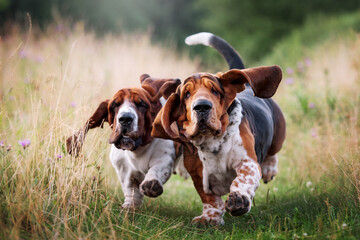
(269,168)
(205,220)
(268,173)
(151,188)
(130,206)
(237,205)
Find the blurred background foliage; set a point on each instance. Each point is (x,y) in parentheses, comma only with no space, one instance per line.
(252,27)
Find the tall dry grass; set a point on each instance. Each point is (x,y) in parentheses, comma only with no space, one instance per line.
(52,81)
(50,84)
(321,100)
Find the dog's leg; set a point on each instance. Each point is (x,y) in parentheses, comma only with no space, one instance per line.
(213,205)
(243,187)
(269,168)
(129,184)
(133,197)
(158,174)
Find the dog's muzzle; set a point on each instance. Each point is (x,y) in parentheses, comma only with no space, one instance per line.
(126,121)
(202,108)
(127,137)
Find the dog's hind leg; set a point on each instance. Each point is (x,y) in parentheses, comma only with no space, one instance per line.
(269,168)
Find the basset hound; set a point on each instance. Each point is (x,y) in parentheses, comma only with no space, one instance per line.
(142,163)
(232,124)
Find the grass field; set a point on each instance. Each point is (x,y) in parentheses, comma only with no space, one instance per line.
(50,84)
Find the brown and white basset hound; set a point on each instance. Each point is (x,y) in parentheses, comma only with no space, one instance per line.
(143,163)
(232,124)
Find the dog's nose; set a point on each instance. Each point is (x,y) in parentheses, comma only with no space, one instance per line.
(202,106)
(126,119)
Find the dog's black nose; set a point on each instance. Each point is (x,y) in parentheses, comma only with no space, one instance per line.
(203,106)
(126,119)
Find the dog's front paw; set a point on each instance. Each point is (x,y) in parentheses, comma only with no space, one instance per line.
(130,206)
(151,188)
(237,204)
(205,220)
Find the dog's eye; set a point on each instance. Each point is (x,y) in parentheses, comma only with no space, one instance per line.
(141,104)
(213,91)
(187,95)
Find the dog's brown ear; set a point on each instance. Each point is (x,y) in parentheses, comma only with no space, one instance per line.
(263,80)
(168,121)
(74,143)
(165,125)
(159,87)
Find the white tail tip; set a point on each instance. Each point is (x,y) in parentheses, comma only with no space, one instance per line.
(199,38)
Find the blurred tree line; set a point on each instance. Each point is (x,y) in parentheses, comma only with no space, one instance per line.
(253,27)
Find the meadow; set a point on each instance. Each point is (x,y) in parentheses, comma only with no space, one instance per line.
(52,80)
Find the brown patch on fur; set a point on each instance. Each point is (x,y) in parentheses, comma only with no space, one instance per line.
(247,139)
(194,166)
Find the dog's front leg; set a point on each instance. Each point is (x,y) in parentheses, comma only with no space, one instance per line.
(248,171)
(133,197)
(129,185)
(158,174)
(213,205)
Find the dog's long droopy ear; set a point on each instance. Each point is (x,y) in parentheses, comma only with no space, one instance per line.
(165,125)
(75,142)
(263,80)
(158,87)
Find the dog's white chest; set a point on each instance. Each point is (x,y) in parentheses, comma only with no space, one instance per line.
(218,153)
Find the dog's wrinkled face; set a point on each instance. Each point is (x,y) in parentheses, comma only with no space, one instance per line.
(199,106)
(132,111)
(130,115)
(203,99)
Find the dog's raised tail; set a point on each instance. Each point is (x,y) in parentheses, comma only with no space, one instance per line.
(232,58)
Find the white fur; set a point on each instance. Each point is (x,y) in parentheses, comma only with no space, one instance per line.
(222,156)
(127,108)
(162,101)
(199,38)
(179,167)
(152,161)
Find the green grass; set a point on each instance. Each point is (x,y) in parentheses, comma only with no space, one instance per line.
(315,196)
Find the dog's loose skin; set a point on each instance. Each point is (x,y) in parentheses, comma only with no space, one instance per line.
(142,163)
(207,116)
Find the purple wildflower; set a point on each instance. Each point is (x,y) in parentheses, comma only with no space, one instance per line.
(314,132)
(27,80)
(59,28)
(289,81)
(39,59)
(22,54)
(8,148)
(93,178)
(73,104)
(58,156)
(308,62)
(311,105)
(2,144)
(25,143)
(290,71)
